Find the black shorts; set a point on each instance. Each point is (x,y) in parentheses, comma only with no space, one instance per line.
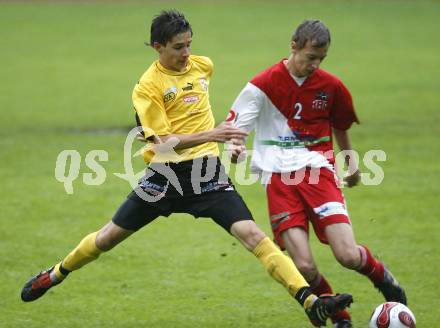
(208,193)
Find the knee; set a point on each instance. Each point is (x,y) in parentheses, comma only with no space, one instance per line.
(349,258)
(111,235)
(248,233)
(105,241)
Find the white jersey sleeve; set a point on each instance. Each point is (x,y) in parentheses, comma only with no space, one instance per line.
(246,108)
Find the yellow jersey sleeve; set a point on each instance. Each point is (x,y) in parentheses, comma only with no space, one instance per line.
(149,106)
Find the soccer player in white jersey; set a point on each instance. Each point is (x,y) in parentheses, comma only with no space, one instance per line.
(171,102)
(296,108)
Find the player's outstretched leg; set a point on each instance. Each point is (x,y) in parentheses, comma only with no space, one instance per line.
(85,252)
(381,277)
(326,306)
(283,270)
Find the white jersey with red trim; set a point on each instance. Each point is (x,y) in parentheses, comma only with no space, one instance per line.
(293,122)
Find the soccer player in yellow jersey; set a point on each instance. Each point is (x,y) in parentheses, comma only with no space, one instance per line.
(172,106)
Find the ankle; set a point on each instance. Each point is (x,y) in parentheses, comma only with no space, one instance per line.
(58,273)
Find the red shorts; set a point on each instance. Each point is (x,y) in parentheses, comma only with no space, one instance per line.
(310,195)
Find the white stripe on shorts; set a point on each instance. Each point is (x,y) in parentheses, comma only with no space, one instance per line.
(330,208)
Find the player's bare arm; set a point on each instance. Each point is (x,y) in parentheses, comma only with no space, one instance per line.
(222,133)
(343,140)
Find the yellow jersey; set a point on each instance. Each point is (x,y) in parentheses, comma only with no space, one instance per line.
(170,102)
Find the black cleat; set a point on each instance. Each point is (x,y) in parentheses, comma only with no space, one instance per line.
(343,324)
(326,306)
(37,286)
(391,289)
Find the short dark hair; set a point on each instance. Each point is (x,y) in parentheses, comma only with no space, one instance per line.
(166,25)
(314,31)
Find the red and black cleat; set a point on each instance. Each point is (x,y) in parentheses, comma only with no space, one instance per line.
(391,289)
(326,306)
(37,286)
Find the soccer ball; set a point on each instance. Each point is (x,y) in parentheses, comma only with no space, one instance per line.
(392,315)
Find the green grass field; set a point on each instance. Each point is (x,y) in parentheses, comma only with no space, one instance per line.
(67,72)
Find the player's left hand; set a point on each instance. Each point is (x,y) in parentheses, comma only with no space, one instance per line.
(353,179)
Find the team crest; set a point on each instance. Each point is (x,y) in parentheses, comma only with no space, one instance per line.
(169,94)
(204,84)
(321,101)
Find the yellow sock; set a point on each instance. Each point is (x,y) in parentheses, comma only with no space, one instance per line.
(309,301)
(280,267)
(58,273)
(85,252)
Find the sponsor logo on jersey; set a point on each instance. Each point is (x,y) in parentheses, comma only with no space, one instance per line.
(288,138)
(189,86)
(191,99)
(298,135)
(169,94)
(204,84)
(321,101)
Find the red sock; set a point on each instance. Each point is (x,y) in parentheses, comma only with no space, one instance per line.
(370,267)
(321,286)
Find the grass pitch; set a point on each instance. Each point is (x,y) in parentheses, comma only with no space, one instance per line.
(67,73)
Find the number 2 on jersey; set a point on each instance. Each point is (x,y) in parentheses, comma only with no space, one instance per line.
(298,107)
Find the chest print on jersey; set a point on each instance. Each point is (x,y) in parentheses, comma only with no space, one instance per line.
(169,94)
(321,101)
(191,99)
